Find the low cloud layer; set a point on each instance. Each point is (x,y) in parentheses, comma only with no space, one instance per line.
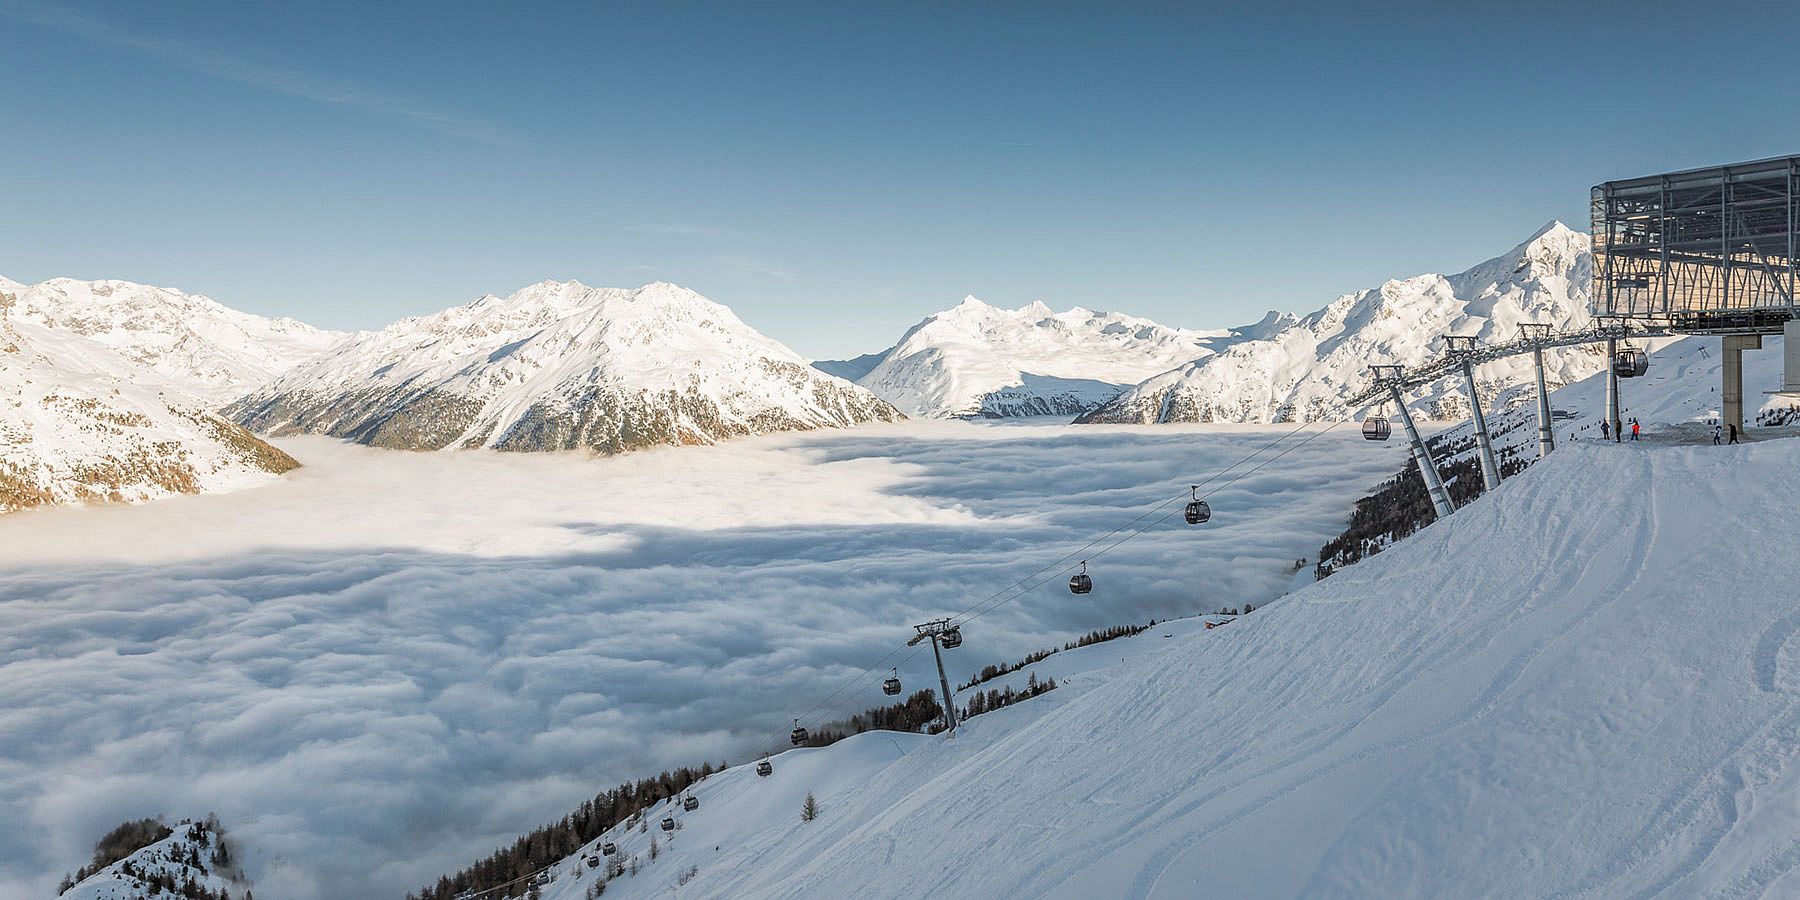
(389,663)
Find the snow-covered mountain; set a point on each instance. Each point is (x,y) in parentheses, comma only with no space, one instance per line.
(79,423)
(187,341)
(556,366)
(1559,691)
(1306,368)
(978,360)
(193,862)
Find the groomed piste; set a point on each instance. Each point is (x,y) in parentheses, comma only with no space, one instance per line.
(1586,684)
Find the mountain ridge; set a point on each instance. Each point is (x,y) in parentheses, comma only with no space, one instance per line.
(1305,368)
(191,342)
(558,366)
(975,360)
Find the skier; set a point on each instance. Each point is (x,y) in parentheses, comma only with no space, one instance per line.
(1605,430)
(1717,433)
(1634,428)
(1733,427)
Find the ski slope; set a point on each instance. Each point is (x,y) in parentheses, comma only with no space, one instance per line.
(1586,684)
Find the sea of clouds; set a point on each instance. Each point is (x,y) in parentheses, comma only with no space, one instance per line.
(387,664)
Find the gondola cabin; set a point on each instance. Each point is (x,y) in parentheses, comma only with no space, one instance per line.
(765,768)
(593,862)
(951,639)
(690,803)
(1631,363)
(1376,428)
(668,823)
(1080,583)
(798,735)
(891,686)
(608,848)
(1197,512)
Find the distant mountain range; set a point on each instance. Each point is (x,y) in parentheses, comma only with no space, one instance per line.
(110,384)
(977,361)
(1307,368)
(184,341)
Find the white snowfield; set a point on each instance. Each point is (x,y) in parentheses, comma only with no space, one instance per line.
(977,360)
(187,341)
(559,365)
(1586,684)
(1290,368)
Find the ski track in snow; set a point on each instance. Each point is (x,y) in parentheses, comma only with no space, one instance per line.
(1146,881)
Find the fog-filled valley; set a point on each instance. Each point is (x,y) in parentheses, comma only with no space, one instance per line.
(387,663)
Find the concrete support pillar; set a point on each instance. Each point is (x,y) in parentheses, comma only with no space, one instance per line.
(1440,498)
(1731,369)
(1612,388)
(1546,437)
(944,689)
(1490,467)
(1790,357)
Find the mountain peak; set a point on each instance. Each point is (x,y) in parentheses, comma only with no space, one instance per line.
(1555,245)
(559,366)
(1554,227)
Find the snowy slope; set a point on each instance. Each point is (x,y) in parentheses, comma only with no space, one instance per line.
(79,423)
(184,857)
(186,341)
(560,365)
(1305,369)
(976,360)
(1587,684)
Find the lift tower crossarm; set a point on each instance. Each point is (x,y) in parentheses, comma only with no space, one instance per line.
(1448,365)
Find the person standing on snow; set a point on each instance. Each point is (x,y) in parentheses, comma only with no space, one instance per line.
(1634,429)
(1605,430)
(1733,426)
(1717,433)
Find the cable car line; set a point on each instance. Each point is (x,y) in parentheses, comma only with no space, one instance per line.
(1059,564)
(1165,517)
(992,602)
(1056,568)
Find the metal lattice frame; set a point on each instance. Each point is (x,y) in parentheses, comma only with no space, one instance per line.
(1705,250)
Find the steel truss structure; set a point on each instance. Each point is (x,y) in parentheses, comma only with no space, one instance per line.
(1701,251)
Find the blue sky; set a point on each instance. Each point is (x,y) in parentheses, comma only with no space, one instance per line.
(835,172)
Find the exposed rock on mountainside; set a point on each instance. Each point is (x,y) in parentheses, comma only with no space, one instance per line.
(559,366)
(79,425)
